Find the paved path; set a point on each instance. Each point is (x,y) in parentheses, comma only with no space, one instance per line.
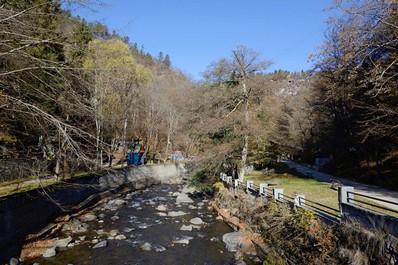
(369,190)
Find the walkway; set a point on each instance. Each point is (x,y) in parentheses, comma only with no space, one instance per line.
(369,190)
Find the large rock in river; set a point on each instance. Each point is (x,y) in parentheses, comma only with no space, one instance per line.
(236,241)
(183,198)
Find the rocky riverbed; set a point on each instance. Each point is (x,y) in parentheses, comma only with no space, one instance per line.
(162,224)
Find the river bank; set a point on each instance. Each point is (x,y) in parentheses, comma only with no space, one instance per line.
(28,213)
(161,224)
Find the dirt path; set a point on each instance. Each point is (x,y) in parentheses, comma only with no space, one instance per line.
(7,189)
(369,190)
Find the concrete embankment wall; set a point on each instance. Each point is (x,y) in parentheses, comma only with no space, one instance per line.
(369,219)
(25,213)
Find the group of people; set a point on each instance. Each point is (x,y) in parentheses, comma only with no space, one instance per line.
(135,153)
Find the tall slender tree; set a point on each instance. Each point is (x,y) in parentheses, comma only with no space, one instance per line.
(239,71)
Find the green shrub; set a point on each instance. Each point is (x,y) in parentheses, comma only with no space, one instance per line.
(218,185)
(201,182)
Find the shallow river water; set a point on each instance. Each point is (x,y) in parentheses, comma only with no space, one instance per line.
(152,236)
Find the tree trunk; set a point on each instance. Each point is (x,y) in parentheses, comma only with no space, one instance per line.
(169,132)
(167,145)
(245,148)
(124,135)
(112,150)
(97,144)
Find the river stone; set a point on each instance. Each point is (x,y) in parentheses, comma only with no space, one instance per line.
(196,221)
(101,215)
(162,214)
(135,205)
(114,232)
(128,197)
(146,246)
(182,241)
(159,248)
(14,261)
(88,217)
(176,194)
(183,198)
(143,226)
(120,202)
(191,207)
(186,228)
(139,186)
(120,237)
(200,204)
(174,214)
(63,243)
(257,260)
(115,217)
(50,252)
(78,227)
(128,229)
(161,208)
(66,227)
(240,262)
(233,241)
(101,244)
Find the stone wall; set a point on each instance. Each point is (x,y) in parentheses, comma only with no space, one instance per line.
(25,213)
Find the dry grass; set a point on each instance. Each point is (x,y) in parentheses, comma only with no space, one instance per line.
(293,237)
(294,183)
(299,238)
(23,186)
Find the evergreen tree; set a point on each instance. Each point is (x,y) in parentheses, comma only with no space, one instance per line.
(160,57)
(167,61)
(82,35)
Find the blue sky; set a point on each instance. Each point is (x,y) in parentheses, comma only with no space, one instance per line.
(195,33)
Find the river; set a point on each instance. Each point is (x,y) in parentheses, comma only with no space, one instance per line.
(140,228)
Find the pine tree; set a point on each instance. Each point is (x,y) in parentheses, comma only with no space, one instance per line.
(167,61)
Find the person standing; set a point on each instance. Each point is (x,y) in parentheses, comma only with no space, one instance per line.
(142,155)
(136,152)
(130,153)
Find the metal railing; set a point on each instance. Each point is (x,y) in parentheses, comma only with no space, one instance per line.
(321,210)
(282,198)
(346,195)
(349,198)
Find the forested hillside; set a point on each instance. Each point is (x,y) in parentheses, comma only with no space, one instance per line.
(72,93)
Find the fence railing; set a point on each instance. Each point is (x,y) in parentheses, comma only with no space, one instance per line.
(368,204)
(324,211)
(297,200)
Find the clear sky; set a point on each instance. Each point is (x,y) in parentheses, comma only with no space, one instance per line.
(196,32)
